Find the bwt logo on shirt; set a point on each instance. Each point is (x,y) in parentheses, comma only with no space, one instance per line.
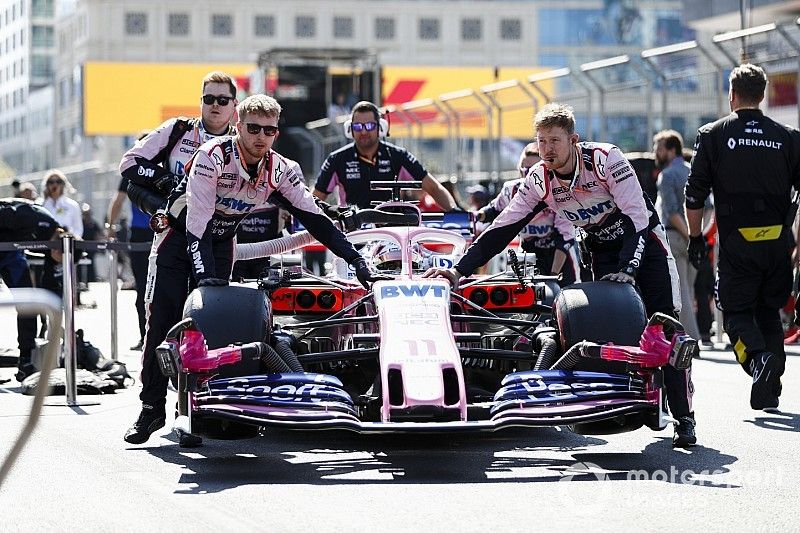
(536,229)
(235,204)
(588,212)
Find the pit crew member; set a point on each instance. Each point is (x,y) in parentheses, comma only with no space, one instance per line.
(367,159)
(228,177)
(594,187)
(548,235)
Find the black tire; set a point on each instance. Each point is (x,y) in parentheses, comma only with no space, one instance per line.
(228,315)
(601,312)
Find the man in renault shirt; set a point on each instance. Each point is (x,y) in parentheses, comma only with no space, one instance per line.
(157,161)
(368,158)
(228,177)
(593,186)
(750,163)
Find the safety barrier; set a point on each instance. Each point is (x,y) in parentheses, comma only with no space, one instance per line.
(67,246)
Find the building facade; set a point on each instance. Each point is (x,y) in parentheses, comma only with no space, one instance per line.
(403,32)
(27,50)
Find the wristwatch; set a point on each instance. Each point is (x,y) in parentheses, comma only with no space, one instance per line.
(629,270)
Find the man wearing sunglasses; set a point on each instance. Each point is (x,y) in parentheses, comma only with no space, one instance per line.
(548,235)
(227,179)
(367,159)
(157,161)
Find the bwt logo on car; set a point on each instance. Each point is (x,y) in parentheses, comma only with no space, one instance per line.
(588,212)
(411,290)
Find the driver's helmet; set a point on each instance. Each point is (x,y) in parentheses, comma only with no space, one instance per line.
(388,258)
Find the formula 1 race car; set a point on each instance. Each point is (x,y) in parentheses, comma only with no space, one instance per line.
(413,355)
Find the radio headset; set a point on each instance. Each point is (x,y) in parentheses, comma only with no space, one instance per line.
(383,124)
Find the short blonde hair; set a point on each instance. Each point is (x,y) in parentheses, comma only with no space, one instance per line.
(554,114)
(55,173)
(217,76)
(258,104)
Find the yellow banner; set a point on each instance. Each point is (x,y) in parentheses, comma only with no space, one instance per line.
(466,114)
(126,98)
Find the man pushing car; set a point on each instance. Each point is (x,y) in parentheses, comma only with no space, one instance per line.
(226,179)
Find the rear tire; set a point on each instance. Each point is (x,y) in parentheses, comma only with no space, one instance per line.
(228,315)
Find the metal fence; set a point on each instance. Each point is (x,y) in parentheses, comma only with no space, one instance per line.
(624,100)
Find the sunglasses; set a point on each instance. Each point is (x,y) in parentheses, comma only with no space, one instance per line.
(209,99)
(55,182)
(269,131)
(361,126)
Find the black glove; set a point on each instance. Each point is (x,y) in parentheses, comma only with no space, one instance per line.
(212,282)
(620,277)
(698,251)
(330,211)
(365,275)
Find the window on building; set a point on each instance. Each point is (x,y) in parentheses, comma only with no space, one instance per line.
(41,36)
(510,29)
(343,27)
(221,25)
(42,8)
(471,29)
(136,23)
(41,66)
(428,29)
(264,26)
(384,28)
(305,27)
(178,24)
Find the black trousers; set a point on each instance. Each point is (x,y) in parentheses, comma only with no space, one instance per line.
(139,268)
(754,280)
(657,282)
(15,274)
(169,281)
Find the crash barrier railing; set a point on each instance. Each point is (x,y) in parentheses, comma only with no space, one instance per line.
(67,245)
(34,302)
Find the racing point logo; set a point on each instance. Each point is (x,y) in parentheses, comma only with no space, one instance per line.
(731,143)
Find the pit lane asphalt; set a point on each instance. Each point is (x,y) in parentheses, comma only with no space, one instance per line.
(77,474)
